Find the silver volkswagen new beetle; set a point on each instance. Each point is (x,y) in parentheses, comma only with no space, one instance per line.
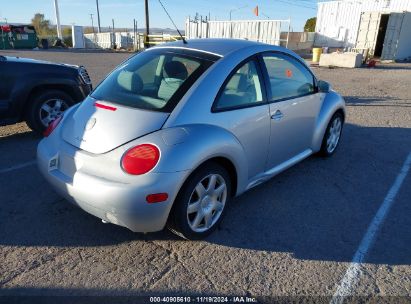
(177,131)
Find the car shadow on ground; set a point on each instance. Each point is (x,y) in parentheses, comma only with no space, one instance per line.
(393,66)
(49,295)
(317,210)
(376,101)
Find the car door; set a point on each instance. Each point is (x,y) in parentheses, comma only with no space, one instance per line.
(294,104)
(241,107)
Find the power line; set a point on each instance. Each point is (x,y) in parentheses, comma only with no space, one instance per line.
(171,19)
(299,5)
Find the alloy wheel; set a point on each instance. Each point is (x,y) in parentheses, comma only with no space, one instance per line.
(51,109)
(207,203)
(334,134)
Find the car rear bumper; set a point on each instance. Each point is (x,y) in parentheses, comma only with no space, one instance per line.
(118,203)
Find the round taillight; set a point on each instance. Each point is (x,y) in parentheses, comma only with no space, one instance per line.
(52,126)
(140,159)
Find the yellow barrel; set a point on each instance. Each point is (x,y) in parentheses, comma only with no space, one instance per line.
(316,54)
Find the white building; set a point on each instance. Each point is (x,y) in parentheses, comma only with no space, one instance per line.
(381,26)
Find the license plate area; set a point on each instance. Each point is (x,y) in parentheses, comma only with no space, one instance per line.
(67,165)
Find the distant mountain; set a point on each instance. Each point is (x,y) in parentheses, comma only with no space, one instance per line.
(153,30)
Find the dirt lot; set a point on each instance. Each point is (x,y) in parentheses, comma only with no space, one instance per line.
(293,236)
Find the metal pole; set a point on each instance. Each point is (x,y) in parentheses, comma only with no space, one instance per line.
(56,8)
(138,36)
(98,17)
(114,35)
(135,34)
(146,41)
(288,35)
(2,37)
(92,22)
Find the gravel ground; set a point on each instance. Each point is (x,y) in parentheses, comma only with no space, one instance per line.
(292,236)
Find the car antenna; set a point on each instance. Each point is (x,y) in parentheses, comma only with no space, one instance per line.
(182,37)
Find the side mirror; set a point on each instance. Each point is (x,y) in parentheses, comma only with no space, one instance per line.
(323,86)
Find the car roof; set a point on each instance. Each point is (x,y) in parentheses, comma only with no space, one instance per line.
(216,46)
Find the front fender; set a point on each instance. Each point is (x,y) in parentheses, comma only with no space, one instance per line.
(185,148)
(332,103)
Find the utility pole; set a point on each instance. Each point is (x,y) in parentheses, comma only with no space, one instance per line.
(98,17)
(56,8)
(92,22)
(146,41)
(114,36)
(135,35)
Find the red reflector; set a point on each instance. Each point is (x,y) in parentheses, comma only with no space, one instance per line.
(52,126)
(156,198)
(102,106)
(140,159)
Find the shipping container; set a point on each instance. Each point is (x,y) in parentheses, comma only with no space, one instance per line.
(380,26)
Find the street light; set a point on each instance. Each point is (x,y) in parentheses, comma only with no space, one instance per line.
(237,9)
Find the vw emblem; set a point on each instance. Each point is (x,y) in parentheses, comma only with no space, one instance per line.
(90,124)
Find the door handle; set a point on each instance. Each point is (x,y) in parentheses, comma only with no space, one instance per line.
(277,115)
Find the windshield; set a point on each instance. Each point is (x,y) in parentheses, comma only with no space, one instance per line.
(154,80)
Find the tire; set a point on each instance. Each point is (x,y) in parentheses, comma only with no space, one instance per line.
(210,207)
(36,114)
(332,135)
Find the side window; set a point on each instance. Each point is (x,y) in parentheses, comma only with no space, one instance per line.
(242,89)
(288,78)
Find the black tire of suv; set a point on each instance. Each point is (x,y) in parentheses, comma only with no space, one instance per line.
(36,102)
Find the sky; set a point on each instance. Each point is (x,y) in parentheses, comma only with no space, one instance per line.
(124,11)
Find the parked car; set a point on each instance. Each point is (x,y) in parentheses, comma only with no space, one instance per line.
(177,131)
(38,91)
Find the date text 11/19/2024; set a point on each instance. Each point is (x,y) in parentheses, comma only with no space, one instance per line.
(203,299)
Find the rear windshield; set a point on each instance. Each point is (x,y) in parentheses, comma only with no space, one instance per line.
(154,80)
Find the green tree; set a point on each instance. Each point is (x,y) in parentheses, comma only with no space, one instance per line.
(88,30)
(310,25)
(66,31)
(41,25)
